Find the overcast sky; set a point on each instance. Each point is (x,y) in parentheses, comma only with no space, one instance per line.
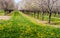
(16,1)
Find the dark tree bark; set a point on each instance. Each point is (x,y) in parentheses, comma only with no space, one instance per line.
(34,14)
(38,15)
(49,16)
(58,14)
(54,14)
(42,15)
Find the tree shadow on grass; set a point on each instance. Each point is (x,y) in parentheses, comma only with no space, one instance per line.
(54,23)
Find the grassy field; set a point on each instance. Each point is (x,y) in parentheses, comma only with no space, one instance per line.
(22,26)
(54,20)
(1,12)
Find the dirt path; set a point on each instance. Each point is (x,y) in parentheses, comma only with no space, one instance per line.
(46,23)
(4,17)
(41,22)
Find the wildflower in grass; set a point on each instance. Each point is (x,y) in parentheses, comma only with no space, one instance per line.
(52,34)
(28,30)
(22,32)
(38,34)
(32,35)
(1,28)
(35,29)
(21,36)
(58,36)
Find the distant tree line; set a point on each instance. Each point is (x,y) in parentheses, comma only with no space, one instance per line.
(7,5)
(42,6)
(39,6)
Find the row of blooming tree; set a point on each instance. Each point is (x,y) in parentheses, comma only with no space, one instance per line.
(42,6)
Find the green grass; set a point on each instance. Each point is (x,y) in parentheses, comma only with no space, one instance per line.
(54,20)
(1,12)
(20,26)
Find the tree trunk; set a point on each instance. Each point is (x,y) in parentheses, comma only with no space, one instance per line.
(5,11)
(54,14)
(58,14)
(42,15)
(38,15)
(49,17)
(34,14)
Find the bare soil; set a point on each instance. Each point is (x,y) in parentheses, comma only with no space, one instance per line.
(4,17)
